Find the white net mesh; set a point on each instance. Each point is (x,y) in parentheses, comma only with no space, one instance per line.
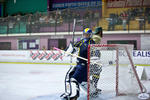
(111,71)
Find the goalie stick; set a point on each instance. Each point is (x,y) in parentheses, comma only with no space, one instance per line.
(71,62)
(74,55)
(71,65)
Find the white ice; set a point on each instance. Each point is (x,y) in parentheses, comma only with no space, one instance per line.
(34,82)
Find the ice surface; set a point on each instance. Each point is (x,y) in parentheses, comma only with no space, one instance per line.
(32,81)
(37,82)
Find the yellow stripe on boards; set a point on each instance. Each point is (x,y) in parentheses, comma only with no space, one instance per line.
(35,63)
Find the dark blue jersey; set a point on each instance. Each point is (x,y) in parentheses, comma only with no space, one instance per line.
(83,49)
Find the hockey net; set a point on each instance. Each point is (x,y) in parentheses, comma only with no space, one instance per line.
(111,69)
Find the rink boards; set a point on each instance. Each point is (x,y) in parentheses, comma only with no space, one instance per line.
(54,57)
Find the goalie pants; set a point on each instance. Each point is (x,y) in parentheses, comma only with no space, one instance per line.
(80,73)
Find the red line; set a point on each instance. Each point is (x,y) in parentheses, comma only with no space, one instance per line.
(134,70)
(117,72)
(88,74)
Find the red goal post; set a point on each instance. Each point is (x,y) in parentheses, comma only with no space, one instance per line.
(117,67)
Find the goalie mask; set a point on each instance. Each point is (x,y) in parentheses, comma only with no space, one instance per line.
(87,33)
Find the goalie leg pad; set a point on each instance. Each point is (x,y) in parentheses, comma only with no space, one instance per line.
(75,88)
(72,90)
(71,72)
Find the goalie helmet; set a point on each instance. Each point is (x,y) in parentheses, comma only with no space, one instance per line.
(87,33)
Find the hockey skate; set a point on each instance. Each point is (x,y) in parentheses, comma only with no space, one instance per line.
(67,97)
(95,93)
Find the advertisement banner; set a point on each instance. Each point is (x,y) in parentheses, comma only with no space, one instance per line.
(63,1)
(35,56)
(141,57)
(127,3)
(61,4)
